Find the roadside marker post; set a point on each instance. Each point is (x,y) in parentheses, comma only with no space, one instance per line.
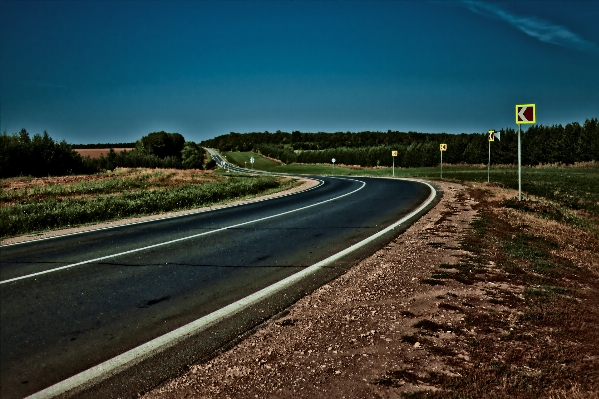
(334,163)
(442,147)
(252,162)
(492,135)
(526,114)
(393,155)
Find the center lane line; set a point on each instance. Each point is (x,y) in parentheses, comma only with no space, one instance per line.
(27,276)
(136,355)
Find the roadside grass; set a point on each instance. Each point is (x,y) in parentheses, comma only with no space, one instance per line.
(563,188)
(52,206)
(538,340)
(242,159)
(120,180)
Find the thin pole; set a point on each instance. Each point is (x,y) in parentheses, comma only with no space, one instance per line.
(393,166)
(519,166)
(489,165)
(441,164)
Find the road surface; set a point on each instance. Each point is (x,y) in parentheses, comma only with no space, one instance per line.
(70,303)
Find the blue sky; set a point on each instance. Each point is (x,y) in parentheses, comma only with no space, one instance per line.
(113,71)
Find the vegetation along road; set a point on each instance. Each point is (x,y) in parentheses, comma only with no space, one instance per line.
(73,302)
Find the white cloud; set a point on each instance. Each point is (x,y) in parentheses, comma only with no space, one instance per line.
(538,28)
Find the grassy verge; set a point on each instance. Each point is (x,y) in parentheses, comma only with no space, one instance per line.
(564,194)
(51,206)
(242,159)
(538,334)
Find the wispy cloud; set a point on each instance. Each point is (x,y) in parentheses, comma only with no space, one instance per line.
(538,28)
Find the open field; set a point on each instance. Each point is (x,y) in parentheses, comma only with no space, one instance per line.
(242,159)
(37,204)
(571,188)
(95,153)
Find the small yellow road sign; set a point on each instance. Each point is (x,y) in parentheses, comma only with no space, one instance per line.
(491,135)
(393,153)
(443,147)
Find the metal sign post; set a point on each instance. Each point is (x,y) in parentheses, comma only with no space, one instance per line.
(333,163)
(491,138)
(442,147)
(525,114)
(252,162)
(393,155)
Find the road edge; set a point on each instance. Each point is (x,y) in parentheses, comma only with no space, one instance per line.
(303,282)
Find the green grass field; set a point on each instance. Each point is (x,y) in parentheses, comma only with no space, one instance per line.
(242,159)
(47,204)
(572,187)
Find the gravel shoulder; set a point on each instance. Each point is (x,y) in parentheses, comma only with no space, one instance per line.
(347,335)
(451,308)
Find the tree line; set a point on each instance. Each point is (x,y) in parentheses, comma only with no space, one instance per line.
(40,155)
(540,145)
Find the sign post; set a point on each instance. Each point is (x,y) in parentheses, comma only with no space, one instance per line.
(333,160)
(492,135)
(252,162)
(525,114)
(442,147)
(393,155)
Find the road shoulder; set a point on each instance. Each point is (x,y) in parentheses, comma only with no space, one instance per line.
(348,333)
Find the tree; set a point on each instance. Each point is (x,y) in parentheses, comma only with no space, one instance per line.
(162,144)
(192,155)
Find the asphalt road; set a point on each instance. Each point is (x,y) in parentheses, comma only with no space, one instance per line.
(128,285)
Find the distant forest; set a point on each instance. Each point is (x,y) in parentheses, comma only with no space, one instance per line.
(540,145)
(40,155)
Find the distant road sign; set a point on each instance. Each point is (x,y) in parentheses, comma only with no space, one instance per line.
(334,160)
(443,147)
(491,135)
(252,159)
(526,114)
(393,153)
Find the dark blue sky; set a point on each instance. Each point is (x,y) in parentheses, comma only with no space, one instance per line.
(110,71)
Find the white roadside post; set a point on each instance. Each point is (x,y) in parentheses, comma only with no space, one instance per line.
(442,147)
(333,160)
(525,114)
(252,162)
(491,138)
(393,155)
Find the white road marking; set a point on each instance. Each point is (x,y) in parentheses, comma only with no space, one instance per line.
(136,355)
(178,239)
(213,207)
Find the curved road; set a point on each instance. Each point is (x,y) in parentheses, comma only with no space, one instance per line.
(72,302)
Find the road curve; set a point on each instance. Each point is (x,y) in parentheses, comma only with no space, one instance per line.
(73,302)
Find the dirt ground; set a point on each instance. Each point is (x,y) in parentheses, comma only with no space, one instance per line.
(474,300)
(95,153)
(174,176)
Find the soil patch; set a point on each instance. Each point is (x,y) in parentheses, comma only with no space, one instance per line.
(96,153)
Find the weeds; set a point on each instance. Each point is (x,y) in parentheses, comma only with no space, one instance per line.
(29,216)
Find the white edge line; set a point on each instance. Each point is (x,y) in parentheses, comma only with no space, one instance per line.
(212,208)
(176,240)
(136,355)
